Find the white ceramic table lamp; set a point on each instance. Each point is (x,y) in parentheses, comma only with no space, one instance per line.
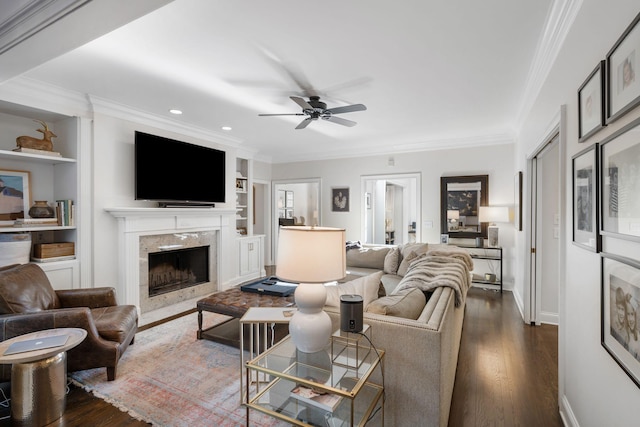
(310,256)
(492,215)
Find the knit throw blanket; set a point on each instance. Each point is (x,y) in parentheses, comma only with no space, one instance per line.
(431,270)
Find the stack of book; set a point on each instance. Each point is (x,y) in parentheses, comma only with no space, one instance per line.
(35,222)
(65,212)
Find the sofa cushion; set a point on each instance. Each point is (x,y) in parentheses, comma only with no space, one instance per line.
(418,248)
(389,283)
(408,304)
(25,288)
(367,287)
(367,257)
(404,265)
(392,261)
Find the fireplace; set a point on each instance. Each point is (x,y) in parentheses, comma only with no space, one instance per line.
(175,267)
(172,270)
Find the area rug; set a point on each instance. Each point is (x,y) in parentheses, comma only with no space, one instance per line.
(170,378)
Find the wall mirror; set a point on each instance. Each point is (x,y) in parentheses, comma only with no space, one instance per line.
(296,202)
(460,201)
(391,208)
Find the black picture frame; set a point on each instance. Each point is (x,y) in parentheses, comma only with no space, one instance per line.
(517,200)
(465,194)
(619,297)
(591,103)
(620,183)
(584,166)
(622,78)
(340,199)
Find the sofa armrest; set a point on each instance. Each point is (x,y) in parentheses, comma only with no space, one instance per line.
(89,297)
(13,325)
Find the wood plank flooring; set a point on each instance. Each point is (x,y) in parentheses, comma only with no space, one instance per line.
(507,374)
(507,371)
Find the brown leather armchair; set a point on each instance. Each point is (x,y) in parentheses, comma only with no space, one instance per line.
(29,303)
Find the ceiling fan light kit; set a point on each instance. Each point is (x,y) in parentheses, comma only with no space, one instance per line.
(315,109)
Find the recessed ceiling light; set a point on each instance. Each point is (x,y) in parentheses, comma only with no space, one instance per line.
(175,111)
(226,128)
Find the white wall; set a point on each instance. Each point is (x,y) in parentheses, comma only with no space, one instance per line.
(594,391)
(113,186)
(495,161)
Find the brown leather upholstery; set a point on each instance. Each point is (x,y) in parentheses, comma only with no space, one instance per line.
(235,303)
(28,303)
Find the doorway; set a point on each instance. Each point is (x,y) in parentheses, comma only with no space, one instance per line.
(391,208)
(295,202)
(546,230)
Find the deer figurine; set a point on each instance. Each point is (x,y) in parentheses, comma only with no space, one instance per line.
(44,144)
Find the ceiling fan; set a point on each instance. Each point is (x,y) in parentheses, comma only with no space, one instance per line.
(315,109)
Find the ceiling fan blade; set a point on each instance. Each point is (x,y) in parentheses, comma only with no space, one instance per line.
(301,102)
(283,114)
(340,121)
(346,109)
(303,124)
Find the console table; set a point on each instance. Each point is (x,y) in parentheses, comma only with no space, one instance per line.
(491,255)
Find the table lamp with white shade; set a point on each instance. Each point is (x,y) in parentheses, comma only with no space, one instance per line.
(492,215)
(453,216)
(310,256)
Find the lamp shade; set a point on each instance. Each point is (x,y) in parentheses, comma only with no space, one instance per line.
(453,214)
(311,254)
(494,214)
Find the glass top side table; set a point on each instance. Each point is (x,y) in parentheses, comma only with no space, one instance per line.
(309,389)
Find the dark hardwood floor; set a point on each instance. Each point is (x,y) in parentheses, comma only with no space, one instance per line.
(507,373)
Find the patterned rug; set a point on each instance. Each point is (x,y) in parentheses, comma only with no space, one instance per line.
(170,378)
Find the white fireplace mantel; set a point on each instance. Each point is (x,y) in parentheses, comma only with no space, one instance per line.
(135,222)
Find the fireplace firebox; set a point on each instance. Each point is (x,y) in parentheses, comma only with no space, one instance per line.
(173,270)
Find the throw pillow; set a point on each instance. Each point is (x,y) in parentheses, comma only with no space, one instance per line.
(367,257)
(404,265)
(392,261)
(366,286)
(418,248)
(408,304)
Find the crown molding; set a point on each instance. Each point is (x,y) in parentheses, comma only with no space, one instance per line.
(561,16)
(37,94)
(124,112)
(395,148)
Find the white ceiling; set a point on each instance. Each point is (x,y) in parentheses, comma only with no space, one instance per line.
(432,74)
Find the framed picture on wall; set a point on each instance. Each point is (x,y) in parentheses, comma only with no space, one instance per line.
(585,199)
(517,200)
(591,103)
(623,81)
(620,299)
(620,183)
(15,195)
(340,199)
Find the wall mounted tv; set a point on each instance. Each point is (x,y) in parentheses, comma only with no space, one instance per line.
(178,173)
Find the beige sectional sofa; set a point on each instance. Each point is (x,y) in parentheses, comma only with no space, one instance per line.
(421,353)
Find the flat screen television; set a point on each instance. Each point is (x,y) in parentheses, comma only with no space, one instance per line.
(175,172)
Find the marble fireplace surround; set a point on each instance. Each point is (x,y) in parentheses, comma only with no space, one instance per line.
(144,230)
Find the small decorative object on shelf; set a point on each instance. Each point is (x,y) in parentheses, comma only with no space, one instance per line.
(41,209)
(31,143)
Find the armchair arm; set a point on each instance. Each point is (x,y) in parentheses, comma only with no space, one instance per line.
(89,297)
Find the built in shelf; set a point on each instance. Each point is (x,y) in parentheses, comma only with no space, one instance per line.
(35,228)
(40,158)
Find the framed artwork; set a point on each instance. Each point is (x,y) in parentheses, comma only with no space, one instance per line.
(620,299)
(340,199)
(591,103)
(241,185)
(517,200)
(444,239)
(460,201)
(15,194)
(585,199)
(623,83)
(288,199)
(620,183)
